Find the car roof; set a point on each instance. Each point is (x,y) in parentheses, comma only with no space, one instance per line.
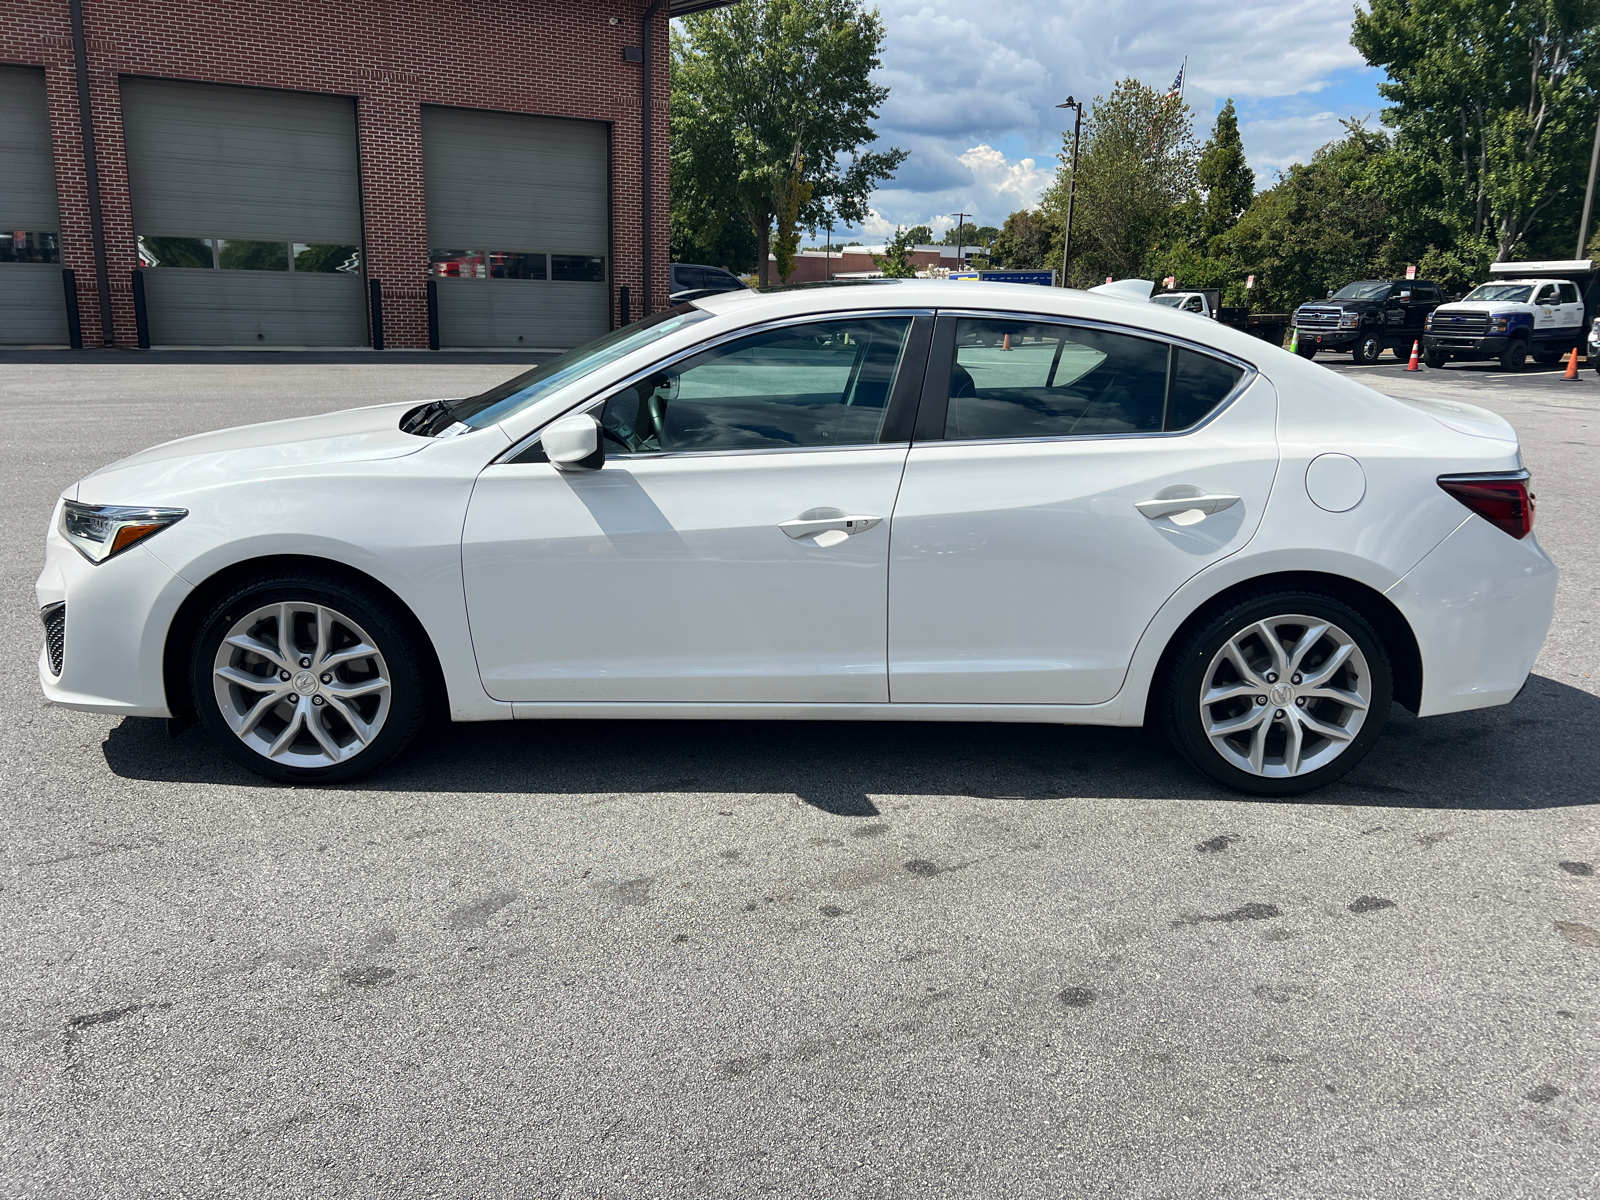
(1019,299)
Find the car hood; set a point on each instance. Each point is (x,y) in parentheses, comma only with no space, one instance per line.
(351,435)
(1473,306)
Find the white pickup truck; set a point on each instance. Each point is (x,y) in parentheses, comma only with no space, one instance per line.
(1511,319)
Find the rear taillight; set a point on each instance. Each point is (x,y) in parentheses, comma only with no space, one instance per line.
(1501,498)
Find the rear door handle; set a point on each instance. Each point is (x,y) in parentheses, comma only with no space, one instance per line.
(827,527)
(1177,507)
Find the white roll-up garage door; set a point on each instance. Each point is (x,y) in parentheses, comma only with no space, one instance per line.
(247,208)
(518,227)
(33,308)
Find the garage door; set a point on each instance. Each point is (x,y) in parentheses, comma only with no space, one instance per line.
(518,223)
(247,209)
(32,305)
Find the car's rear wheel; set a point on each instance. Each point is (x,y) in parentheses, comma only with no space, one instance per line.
(1278,693)
(1368,349)
(1514,355)
(307,677)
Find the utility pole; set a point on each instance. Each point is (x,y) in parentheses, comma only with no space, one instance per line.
(1588,195)
(961,225)
(827,255)
(1072,186)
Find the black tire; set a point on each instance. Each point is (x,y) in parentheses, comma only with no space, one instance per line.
(1187,668)
(389,629)
(1369,348)
(1435,358)
(1514,355)
(1306,350)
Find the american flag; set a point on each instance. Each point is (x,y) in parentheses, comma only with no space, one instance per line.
(1177,84)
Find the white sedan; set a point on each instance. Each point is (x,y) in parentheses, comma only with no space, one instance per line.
(907,501)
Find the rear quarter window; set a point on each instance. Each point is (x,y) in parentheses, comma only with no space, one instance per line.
(1199,384)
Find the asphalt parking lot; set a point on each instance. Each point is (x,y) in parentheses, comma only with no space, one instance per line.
(629,960)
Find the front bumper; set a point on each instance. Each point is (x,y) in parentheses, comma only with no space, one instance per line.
(114,640)
(1338,339)
(1480,604)
(1465,343)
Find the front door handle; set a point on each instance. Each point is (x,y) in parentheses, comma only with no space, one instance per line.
(826,526)
(1186,510)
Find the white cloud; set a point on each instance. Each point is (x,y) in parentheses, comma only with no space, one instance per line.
(989,77)
(1272,145)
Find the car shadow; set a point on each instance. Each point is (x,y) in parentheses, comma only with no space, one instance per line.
(1537,752)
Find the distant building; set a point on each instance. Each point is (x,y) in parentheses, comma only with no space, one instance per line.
(813,266)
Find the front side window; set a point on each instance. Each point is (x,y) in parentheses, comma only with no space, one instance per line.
(821,384)
(1021,379)
(1547,294)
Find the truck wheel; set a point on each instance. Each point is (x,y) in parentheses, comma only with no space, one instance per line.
(1368,349)
(1514,355)
(1435,358)
(1309,350)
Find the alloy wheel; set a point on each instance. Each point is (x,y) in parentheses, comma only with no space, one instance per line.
(1285,696)
(301,684)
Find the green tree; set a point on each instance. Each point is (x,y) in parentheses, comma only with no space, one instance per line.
(770,97)
(896,264)
(918,235)
(1493,103)
(1137,164)
(1225,176)
(1023,244)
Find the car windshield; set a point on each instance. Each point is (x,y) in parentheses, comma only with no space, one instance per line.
(1363,291)
(515,394)
(1509,293)
(1167,301)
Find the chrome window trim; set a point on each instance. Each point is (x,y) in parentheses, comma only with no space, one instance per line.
(1251,374)
(594,401)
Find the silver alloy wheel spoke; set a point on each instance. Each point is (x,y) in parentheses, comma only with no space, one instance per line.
(1285,696)
(289,714)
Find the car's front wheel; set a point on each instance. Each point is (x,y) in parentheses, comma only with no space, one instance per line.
(1435,358)
(1306,349)
(309,677)
(1278,693)
(1514,355)
(1368,349)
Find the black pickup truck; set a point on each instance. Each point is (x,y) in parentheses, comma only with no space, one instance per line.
(1368,317)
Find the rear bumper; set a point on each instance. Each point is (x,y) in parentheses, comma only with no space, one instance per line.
(1480,604)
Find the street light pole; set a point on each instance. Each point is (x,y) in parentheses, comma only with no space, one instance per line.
(961,225)
(1588,195)
(1072,186)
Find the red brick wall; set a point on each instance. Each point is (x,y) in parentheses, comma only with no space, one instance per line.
(558,58)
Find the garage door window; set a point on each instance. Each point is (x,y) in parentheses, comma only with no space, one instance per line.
(504,265)
(23,246)
(577,268)
(239,254)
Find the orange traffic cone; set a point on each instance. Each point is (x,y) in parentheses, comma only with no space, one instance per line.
(1412,365)
(1572,365)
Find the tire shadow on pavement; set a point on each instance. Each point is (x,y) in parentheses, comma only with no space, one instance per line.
(1537,752)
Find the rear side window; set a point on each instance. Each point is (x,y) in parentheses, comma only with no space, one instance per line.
(1569,293)
(1019,379)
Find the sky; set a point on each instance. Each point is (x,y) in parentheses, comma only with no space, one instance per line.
(973,88)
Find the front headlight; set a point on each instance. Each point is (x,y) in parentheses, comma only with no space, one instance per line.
(1427,323)
(1498,324)
(1350,320)
(99,531)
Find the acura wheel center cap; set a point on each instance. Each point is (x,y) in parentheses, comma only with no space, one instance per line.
(1281,694)
(305,683)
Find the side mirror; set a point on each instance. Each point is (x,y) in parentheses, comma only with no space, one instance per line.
(574,443)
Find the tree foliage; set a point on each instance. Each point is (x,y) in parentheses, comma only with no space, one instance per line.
(1023,243)
(772,106)
(1137,163)
(896,262)
(1492,103)
(1224,175)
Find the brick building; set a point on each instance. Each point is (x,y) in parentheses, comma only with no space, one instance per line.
(332,172)
(855,262)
